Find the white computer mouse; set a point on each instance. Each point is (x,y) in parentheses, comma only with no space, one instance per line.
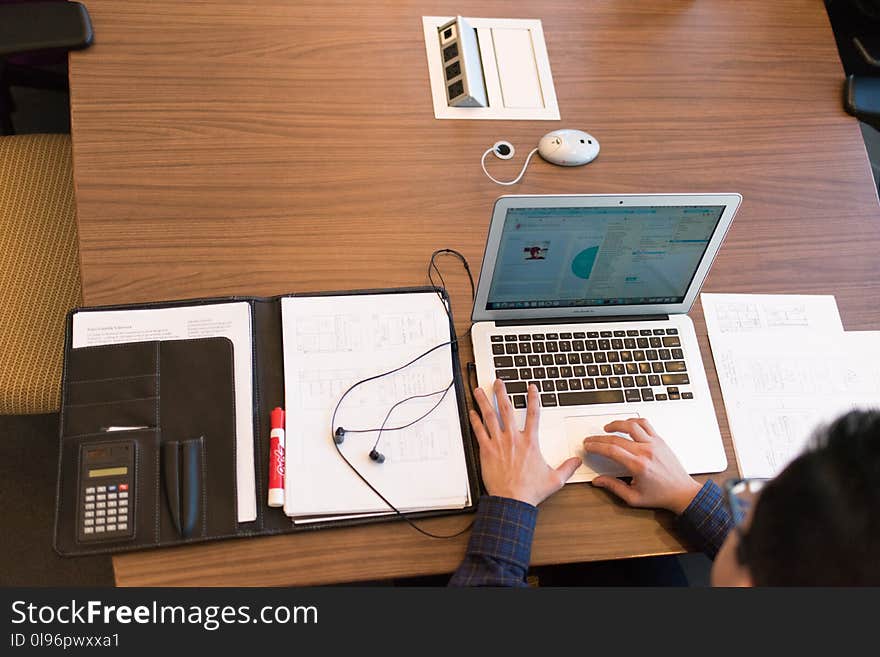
(568,148)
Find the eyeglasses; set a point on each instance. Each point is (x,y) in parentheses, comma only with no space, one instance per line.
(740,495)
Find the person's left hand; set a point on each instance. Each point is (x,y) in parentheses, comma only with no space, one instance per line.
(510,459)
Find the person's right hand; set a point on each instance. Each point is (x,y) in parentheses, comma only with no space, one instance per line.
(510,459)
(658,479)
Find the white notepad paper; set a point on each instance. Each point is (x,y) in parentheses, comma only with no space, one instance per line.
(786,368)
(330,343)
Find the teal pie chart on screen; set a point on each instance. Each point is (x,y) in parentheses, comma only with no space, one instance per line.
(582,265)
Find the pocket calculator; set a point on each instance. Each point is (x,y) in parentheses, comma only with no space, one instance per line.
(106,491)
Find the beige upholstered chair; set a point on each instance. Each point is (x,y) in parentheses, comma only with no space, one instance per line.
(39,269)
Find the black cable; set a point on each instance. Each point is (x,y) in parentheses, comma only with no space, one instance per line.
(358,473)
(464,262)
(408,424)
(432,265)
(418,419)
(394,508)
(379,376)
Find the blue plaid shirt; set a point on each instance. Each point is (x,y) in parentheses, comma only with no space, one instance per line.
(500,546)
(706,521)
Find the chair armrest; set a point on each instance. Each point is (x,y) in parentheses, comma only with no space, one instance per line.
(861,98)
(33,26)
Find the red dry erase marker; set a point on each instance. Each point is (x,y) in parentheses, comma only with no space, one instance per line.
(276,459)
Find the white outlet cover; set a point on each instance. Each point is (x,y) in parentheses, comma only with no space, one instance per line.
(516,69)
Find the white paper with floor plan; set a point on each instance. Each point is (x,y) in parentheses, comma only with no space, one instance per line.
(330,342)
(769,314)
(779,391)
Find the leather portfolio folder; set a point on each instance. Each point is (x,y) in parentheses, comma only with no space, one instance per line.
(148,436)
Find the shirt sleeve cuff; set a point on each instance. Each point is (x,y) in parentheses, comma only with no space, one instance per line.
(704,501)
(503,529)
(706,519)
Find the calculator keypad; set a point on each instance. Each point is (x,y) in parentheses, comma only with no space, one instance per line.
(106,512)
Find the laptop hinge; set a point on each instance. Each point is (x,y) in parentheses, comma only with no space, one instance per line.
(580,320)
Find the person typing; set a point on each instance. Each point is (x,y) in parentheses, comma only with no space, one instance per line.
(812,525)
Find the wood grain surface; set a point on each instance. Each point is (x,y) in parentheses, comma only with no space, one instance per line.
(237,148)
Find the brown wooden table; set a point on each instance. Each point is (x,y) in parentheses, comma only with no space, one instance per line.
(238,148)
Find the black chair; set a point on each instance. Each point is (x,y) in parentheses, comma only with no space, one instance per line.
(46,31)
(856,25)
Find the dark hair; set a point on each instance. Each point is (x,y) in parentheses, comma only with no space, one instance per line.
(818,522)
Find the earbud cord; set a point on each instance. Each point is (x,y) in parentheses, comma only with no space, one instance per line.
(403,401)
(364,479)
(379,376)
(431,265)
(454,341)
(501,182)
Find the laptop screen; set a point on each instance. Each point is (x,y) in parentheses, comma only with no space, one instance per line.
(563,257)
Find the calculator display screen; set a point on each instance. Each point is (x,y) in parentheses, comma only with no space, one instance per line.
(108,472)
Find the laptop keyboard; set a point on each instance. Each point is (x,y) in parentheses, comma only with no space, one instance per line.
(593,367)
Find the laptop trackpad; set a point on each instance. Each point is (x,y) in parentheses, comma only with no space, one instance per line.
(578,427)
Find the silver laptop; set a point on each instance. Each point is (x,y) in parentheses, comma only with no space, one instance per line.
(586,296)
